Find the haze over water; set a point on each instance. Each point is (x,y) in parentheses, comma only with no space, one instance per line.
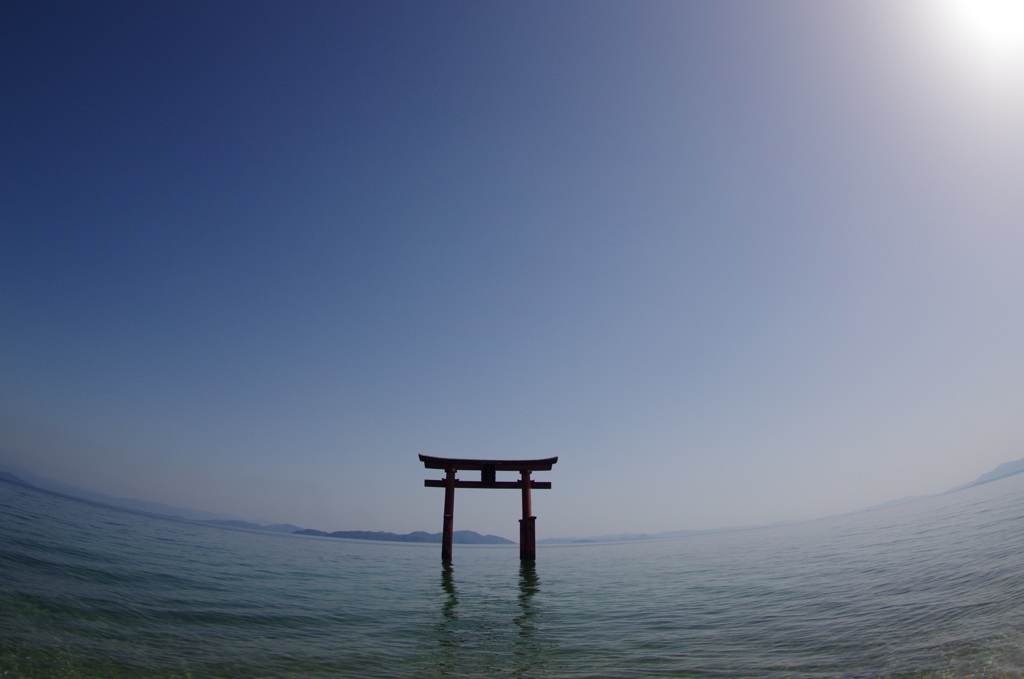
(927,589)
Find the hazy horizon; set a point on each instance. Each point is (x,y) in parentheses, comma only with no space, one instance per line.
(733,263)
(27,476)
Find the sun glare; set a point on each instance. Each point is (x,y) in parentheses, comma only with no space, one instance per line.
(991,29)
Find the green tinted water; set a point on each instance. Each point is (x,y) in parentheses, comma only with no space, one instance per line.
(927,589)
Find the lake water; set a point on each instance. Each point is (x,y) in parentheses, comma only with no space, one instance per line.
(929,589)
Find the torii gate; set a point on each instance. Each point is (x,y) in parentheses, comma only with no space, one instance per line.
(488,468)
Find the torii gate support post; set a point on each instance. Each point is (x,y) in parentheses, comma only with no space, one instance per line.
(487,469)
(449,514)
(527,524)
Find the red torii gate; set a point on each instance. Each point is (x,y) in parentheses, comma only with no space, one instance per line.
(488,469)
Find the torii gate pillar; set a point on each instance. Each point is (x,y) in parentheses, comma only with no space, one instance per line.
(488,469)
(527,524)
(449,515)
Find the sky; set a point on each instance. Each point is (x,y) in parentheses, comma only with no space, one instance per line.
(732,262)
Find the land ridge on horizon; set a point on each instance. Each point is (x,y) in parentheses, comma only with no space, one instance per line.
(463,537)
(17,475)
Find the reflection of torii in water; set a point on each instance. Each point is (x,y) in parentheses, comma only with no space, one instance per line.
(488,469)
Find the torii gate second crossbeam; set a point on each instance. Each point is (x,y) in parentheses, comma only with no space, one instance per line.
(488,470)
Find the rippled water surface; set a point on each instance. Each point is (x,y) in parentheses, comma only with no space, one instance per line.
(929,589)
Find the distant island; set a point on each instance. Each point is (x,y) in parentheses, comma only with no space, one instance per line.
(460,537)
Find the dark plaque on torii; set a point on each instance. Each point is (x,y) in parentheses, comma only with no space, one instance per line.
(488,470)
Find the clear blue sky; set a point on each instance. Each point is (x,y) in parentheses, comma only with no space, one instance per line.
(732,262)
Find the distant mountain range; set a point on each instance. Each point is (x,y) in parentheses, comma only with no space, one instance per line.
(28,478)
(459,537)
(1000,472)
(13,474)
(249,525)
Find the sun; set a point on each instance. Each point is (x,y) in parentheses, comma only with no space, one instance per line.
(991,30)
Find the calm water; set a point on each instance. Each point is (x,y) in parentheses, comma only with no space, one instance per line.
(931,589)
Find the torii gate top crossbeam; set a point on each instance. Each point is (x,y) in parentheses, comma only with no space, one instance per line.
(497,465)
